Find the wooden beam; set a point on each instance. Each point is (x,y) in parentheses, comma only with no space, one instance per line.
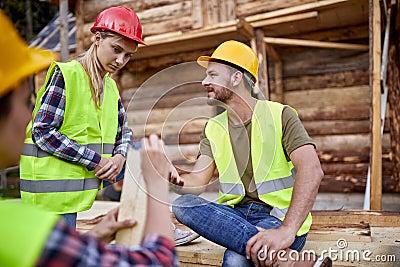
(284,19)
(262,80)
(64,30)
(294,9)
(278,70)
(312,43)
(376,146)
(245,29)
(373,218)
(79,34)
(133,202)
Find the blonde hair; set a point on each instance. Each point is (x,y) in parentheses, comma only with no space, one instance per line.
(93,68)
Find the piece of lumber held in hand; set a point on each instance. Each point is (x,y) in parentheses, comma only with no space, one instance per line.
(133,201)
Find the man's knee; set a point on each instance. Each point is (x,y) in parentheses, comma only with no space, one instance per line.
(233,259)
(181,204)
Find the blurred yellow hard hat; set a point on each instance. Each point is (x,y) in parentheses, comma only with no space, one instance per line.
(17,60)
(235,53)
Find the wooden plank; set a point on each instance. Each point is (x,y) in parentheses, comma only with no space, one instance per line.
(283,19)
(133,202)
(376,146)
(359,232)
(373,218)
(262,79)
(312,43)
(291,10)
(351,32)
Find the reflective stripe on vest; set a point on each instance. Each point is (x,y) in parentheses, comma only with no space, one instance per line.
(262,188)
(277,184)
(273,174)
(33,151)
(53,186)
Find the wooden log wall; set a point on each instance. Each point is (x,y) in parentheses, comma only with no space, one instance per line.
(330,90)
(328,87)
(394,97)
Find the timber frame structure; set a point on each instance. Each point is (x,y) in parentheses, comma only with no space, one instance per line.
(177,31)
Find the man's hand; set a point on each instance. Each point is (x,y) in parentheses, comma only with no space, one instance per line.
(174,177)
(107,228)
(268,241)
(109,168)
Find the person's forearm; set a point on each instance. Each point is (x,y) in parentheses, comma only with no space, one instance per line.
(158,214)
(193,185)
(303,197)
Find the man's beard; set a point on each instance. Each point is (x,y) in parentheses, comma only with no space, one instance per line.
(221,97)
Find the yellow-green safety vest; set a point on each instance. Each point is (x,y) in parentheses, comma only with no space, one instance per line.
(57,185)
(274,175)
(24,230)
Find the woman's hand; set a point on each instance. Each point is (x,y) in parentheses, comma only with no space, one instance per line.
(109,168)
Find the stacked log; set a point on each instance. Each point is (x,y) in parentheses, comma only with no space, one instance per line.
(394,100)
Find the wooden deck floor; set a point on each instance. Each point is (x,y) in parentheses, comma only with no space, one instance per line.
(353,238)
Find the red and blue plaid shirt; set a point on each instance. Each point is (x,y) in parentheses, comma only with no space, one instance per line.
(49,119)
(65,248)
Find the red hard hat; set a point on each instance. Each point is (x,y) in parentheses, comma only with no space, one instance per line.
(121,20)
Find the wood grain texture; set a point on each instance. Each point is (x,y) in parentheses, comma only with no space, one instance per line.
(133,202)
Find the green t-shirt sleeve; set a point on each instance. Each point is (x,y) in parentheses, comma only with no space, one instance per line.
(205,147)
(294,135)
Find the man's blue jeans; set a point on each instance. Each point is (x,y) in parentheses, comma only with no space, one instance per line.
(226,226)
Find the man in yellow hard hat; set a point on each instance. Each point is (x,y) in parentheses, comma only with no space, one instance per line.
(269,171)
(32,237)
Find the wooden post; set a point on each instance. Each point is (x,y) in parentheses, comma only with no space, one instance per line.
(376,146)
(262,63)
(133,201)
(64,30)
(79,35)
(278,70)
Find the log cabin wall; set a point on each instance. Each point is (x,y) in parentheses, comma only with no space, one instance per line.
(328,87)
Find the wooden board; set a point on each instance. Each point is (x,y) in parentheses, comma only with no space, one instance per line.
(133,201)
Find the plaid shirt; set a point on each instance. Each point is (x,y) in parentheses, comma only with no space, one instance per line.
(65,247)
(49,119)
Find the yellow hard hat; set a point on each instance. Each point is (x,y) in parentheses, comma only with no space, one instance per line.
(235,53)
(18,61)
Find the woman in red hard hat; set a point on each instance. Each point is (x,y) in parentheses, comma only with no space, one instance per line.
(79,134)
(33,237)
